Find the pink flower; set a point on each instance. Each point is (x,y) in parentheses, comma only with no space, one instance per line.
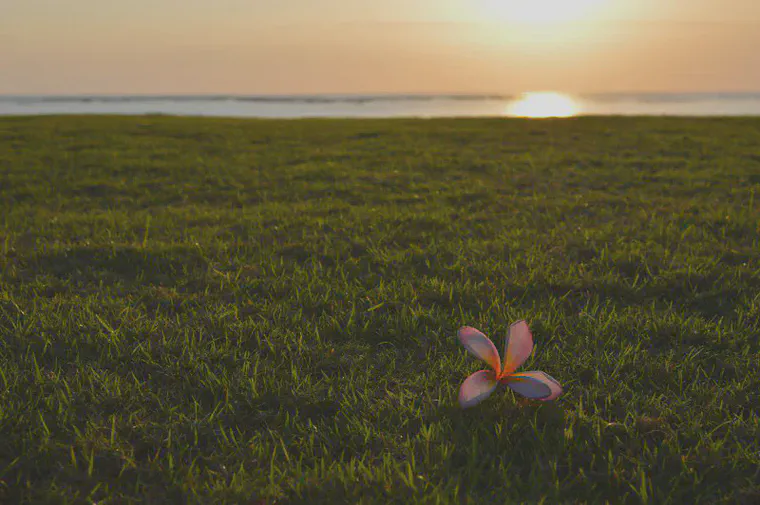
(519,344)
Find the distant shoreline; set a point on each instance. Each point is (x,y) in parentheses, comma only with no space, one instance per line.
(369,97)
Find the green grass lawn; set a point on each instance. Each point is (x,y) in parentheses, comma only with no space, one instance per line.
(261,312)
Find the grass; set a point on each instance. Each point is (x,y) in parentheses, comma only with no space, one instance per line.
(245,311)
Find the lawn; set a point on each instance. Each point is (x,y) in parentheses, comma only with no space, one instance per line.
(199,310)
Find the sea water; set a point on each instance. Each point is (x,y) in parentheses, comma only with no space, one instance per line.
(270,106)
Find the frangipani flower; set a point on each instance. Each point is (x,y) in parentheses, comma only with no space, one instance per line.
(479,386)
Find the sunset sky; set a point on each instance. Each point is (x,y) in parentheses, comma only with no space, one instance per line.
(390,46)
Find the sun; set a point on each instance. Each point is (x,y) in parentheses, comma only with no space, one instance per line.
(540,11)
(543,104)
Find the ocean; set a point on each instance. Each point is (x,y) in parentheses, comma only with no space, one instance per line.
(540,104)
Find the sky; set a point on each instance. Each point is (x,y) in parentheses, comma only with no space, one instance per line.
(370,46)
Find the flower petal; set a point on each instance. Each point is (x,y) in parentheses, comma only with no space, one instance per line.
(476,388)
(535,385)
(518,346)
(480,346)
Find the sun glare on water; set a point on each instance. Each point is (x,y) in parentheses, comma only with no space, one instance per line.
(543,104)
